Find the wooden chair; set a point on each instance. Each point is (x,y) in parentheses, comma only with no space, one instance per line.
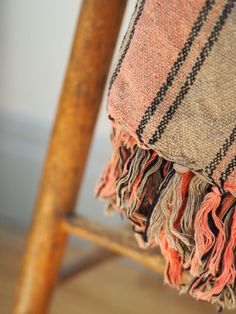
(54,218)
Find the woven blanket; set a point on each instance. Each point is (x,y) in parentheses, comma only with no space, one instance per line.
(172,172)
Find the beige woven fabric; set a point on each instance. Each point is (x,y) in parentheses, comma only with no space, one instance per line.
(172,172)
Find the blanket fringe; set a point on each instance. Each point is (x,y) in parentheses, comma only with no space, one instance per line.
(170,206)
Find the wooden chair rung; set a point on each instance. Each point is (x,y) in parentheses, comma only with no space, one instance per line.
(119,241)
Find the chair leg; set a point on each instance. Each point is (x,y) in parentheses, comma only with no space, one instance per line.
(92,50)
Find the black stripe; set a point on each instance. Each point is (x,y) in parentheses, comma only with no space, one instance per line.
(182,56)
(228,170)
(221,153)
(129,28)
(195,70)
(119,64)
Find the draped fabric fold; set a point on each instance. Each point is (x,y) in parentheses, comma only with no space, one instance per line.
(172,171)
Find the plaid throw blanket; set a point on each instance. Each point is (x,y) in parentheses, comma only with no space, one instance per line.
(172,173)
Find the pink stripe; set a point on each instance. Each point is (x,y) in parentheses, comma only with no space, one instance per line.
(193,54)
(159,36)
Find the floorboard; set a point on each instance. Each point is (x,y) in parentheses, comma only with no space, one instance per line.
(115,287)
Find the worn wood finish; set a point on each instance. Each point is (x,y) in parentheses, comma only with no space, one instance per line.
(120,241)
(92,51)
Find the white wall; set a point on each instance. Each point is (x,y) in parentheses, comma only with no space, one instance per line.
(35,39)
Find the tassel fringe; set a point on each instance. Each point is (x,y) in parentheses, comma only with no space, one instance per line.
(192,221)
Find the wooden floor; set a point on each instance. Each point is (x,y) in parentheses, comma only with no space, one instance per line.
(115,287)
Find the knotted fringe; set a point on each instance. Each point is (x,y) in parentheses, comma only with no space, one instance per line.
(192,221)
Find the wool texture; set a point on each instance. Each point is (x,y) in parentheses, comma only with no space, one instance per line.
(172,171)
